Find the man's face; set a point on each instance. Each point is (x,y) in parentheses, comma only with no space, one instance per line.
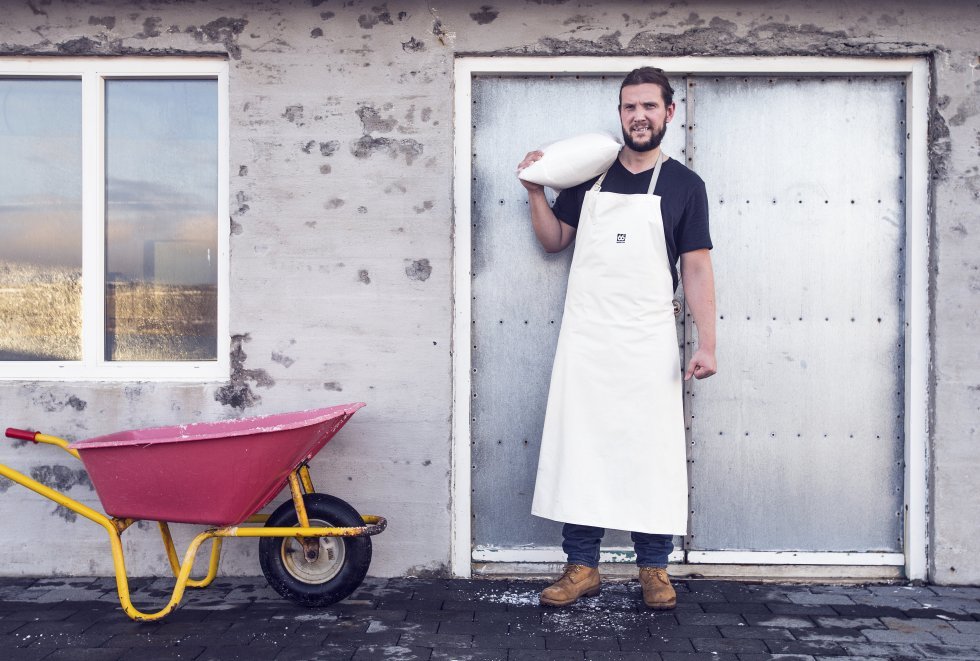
(644,116)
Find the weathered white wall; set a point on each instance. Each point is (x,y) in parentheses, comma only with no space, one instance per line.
(341,181)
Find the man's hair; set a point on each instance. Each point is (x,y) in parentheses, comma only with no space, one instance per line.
(645,75)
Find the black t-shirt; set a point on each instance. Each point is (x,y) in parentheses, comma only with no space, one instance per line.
(683,204)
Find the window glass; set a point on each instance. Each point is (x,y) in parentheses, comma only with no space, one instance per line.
(40,219)
(161,219)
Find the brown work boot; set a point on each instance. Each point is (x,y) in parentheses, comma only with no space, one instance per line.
(658,593)
(576,581)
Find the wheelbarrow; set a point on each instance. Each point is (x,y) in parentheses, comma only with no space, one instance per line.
(314,550)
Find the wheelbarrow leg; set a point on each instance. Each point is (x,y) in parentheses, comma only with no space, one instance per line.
(168,544)
(311,545)
(304,476)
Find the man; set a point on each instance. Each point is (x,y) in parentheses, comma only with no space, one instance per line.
(613,452)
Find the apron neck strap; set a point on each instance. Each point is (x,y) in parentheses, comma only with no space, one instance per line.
(653,178)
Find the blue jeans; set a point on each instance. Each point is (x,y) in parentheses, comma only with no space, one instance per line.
(581,544)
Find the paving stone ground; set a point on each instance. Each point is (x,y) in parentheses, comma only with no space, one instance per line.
(62,619)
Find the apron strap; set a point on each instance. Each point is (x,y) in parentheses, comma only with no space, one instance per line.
(653,178)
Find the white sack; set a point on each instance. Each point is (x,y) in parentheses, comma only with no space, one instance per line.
(574,160)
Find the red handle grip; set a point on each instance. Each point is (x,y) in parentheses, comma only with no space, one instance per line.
(21,434)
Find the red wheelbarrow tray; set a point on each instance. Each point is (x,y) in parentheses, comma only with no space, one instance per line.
(214,473)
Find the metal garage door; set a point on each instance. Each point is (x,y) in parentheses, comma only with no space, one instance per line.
(797,443)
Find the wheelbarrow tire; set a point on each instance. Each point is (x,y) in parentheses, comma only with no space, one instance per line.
(343,561)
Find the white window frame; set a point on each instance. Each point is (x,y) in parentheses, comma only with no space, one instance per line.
(917,344)
(93,72)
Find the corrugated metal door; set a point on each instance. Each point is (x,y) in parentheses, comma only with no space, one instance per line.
(797,443)
(757,141)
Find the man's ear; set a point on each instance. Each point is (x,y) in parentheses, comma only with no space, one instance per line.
(670,111)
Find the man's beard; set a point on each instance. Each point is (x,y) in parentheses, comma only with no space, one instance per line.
(655,139)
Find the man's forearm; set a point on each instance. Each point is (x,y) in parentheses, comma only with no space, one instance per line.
(552,234)
(699,292)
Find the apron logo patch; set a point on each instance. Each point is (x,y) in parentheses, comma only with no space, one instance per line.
(620,238)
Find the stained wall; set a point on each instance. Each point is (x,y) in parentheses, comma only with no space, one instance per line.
(341,162)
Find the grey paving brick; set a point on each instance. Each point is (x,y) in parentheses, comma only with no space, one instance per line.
(307,652)
(735,607)
(592,655)
(685,631)
(519,641)
(918,624)
(886,650)
(447,640)
(85,654)
(804,609)
(735,645)
(972,626)
(948,652)
(954,591)
(889,636)
(472,628)
(467,655)
(546,655)
(957,638)
(849,622)
(851,658)
(902,603)
(756,632)
(391,653)
(781,657)
(697,656)
(866,610)
(162,653)
(779,621)
(822,599)
(714,619)
(584,643)
(658,643)
(809,647)
(830,633)
(953,604)
(26,653)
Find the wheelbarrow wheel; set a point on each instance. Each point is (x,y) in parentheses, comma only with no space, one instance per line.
(342,562)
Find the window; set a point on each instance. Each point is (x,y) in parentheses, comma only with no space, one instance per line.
(113,218)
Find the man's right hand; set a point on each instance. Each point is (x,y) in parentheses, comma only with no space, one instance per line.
(530,158)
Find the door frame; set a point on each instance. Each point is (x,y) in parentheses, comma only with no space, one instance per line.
(917,303)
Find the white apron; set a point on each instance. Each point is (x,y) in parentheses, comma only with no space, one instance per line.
(612,452)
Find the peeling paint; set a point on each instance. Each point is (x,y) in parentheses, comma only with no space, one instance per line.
(222,30)
(62,478)
(151,28)
(308,147)
(372,121)
(242,170)
(237,393)
(333,203)
(413,45)
(316,33)
(282,359)
(425,206)
(328,148)
(367,146)
(332,385)
(419,269)
(380,15)
(325,169)
(236,227)
(363,276)
(486,15)
(108,22)
(294,114)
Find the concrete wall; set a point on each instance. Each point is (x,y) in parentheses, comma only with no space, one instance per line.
(341,186)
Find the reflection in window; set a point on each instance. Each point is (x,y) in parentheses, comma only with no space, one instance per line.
(40,219)
(161,219)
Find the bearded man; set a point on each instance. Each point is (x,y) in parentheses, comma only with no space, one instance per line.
(613,451)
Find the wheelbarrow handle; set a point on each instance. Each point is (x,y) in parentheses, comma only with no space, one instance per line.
(22,434)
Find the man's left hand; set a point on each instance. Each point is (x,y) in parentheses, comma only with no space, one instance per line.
(702,365)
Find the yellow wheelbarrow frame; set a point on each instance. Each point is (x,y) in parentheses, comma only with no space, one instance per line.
(300,483)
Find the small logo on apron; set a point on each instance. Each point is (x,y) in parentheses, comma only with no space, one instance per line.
(620,238)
